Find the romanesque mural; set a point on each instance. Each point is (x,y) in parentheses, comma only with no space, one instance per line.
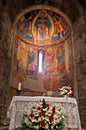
(42,27)
(48,30)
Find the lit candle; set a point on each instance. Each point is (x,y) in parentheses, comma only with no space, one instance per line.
(19,86)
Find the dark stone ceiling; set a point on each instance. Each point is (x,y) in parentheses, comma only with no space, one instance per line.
(51,2)
(83,3)
(70,8)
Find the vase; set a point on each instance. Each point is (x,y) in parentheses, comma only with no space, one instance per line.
(66,97)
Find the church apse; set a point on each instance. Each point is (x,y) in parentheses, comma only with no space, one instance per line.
(48,30)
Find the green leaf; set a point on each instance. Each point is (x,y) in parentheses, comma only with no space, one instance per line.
(43,103)
(61,127)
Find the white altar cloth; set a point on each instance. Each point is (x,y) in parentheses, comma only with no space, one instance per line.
(20,104)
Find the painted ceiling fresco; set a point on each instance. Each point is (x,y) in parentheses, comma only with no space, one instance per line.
(45,29)
(42,27)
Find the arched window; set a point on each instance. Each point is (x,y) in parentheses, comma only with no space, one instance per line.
(40,60)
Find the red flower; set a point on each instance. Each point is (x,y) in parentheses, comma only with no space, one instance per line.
(42,123)
(43,114)
(51,118)
(72,94)
(68,89)
(53,110)
(32,115)
(39,108)
(47,105)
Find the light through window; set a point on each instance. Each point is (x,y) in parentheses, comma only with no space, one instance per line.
(40,60)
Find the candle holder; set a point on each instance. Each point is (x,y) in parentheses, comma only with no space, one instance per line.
(18,92)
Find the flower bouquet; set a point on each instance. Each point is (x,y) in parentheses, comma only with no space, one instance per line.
(43,116)
(65,90)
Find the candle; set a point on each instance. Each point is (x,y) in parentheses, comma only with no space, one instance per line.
(19,86)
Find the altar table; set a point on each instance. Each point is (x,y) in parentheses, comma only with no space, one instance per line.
(20,104)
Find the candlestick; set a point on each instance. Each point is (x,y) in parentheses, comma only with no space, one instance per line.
(18,91)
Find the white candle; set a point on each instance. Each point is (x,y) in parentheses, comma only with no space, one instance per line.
(19,86)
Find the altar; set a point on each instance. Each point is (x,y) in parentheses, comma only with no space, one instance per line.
(20,104)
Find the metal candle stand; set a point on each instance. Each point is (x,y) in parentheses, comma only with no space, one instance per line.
(18,92)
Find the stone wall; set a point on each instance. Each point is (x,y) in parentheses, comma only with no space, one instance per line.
(80,65)
(4,62)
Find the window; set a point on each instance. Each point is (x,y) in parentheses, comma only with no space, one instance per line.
(40,60)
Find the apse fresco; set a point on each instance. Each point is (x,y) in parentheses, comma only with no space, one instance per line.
(50,60)
(47,30)
(60,61)
(54,60)
(42,27)
(25,57)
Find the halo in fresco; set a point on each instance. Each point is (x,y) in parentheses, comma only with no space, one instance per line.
(42,27)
